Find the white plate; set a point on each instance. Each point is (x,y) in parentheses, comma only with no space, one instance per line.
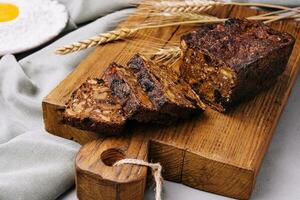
(38,22)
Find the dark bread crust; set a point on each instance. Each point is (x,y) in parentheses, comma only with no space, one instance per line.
(134,101)
(93,108)
(228,62)
(167,92)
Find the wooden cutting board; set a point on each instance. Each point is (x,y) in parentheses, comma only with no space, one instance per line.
(219,153)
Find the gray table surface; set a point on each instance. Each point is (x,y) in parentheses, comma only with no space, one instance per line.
(279,177)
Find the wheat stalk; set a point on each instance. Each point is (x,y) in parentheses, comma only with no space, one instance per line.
(293,14)
(189,17)
(97,40)
(167,18)
(181,15)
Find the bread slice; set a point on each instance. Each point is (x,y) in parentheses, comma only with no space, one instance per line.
(167,92)
(135,102)
(92,107)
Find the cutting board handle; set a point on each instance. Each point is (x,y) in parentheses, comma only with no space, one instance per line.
(98,179)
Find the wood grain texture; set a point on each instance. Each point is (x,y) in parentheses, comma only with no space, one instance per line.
(97,180)
(219,153)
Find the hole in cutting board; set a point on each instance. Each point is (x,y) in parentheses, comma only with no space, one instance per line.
(111,156)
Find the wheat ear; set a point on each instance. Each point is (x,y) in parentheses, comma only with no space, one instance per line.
(97,40)
(197,6)
(167,56)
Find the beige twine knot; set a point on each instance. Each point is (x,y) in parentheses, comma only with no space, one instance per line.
(156,172)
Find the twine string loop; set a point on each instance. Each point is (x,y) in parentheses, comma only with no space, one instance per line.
(156,169)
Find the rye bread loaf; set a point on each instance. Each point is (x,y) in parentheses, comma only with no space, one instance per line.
(226,63)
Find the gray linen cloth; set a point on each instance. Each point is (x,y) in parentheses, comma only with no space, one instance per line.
(35,165)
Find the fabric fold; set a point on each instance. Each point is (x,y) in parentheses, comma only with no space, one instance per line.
(82,11)
(35,165)
(40,166)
